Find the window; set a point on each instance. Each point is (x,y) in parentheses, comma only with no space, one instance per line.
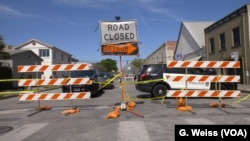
(236,36)
(4,56)
(212,47)
(44,52)
(197,71)
(222,41)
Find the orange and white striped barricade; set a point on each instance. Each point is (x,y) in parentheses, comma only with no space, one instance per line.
(55,67)
(203,93)
(202,78)
(53,82)
(53,96)
(203,64)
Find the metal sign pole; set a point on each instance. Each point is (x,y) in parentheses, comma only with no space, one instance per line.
(123,104)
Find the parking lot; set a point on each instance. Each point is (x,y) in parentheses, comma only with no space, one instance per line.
(151,120)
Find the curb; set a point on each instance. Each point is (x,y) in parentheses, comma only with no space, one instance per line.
(6,97)
(245,91)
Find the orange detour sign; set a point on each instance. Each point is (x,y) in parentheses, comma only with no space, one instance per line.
(120,49)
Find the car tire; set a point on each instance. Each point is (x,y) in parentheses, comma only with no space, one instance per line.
(159,90)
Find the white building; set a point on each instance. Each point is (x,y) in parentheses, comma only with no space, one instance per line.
(191,40)
(162,54)
(49,54)
(12,58)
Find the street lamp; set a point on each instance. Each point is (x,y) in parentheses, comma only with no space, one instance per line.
(117,18)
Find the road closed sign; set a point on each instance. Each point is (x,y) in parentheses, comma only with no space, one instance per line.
(118,32)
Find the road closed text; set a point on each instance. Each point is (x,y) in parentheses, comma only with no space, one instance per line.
(119,37)
(118,32)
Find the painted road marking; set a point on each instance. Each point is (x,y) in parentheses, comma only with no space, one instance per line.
(198,121)
(132,131)
(22,132)
(15,111)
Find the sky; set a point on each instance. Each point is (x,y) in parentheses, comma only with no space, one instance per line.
(73,25)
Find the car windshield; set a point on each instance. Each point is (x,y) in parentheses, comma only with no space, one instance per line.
(84,73)
(105,74)
(152,68)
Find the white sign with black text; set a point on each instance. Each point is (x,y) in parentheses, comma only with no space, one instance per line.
(118,32)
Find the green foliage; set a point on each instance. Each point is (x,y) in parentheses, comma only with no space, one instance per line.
(137,63)
(6,73)
(108,65)
(1,43)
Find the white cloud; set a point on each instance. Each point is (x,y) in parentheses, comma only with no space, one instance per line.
(87,3)
(7,11)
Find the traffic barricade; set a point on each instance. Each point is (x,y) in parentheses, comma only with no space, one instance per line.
(39,96)
(216,78)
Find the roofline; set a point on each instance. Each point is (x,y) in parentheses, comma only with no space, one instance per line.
(221,21)
(22,51)
(47,45)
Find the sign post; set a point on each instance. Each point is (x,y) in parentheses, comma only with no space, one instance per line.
(119,38)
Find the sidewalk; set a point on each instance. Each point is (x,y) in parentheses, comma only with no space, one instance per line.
(244,88)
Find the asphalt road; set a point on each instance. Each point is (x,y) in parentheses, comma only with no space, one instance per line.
(151,120)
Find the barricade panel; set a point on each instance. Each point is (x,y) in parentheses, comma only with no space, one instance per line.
(202,78)
(203,64)
(55,67)
(54,82)
(53,96)
(203,93)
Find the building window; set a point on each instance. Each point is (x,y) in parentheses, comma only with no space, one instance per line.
(44,52)
(222,41)
(212,47)
(236,36)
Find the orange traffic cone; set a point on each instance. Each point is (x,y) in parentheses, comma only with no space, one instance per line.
(41,108)
(181,102)
(181,105)
(185,108)
(130,105)
(213,104)
(222,105)
(114,114)
(71,111)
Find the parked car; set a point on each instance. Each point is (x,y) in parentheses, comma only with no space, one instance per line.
(158,88)
(94,88)
(106,77)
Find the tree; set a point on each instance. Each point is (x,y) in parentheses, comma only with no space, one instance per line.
(137,63)
(2,44)
(108,65)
